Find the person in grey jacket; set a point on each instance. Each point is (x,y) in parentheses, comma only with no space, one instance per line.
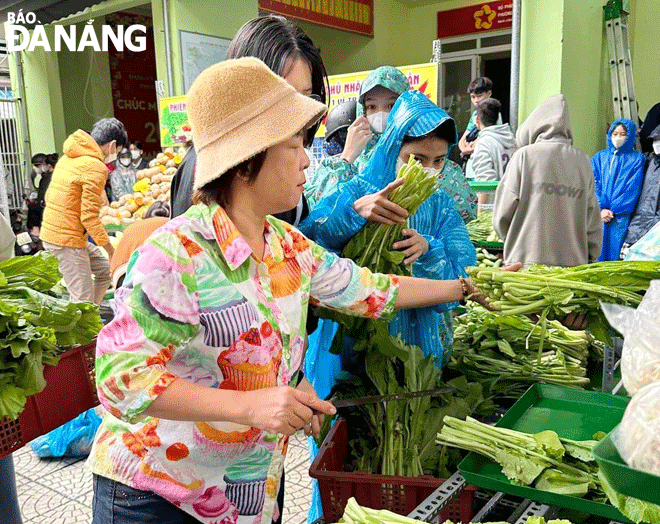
(545,207)
(647,211)
(495,145)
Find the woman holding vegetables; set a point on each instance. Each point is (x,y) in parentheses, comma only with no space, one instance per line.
(436,242)
(199,369)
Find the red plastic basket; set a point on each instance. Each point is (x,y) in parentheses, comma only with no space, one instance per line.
(70,390)
(398,494)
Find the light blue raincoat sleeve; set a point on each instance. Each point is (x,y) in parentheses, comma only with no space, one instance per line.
(333,222)
(330,172)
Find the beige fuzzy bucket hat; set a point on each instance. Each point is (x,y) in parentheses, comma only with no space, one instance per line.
(238,108)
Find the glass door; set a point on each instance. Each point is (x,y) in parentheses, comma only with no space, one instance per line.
(456,75)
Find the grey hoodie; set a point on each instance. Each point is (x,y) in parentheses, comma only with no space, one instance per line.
(495,147)
(545,206)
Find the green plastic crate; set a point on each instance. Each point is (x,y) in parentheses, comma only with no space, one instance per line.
(572,413)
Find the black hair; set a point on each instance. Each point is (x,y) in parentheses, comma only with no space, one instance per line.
(445,131)
(39,158)
(136,143)
(274,40)
(108,129)
(51,159)
(488,110)
(124,152)
(158,209)
(218,190)
(480,85)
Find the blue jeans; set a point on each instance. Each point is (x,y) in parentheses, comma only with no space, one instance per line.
(117,503)
(11,513)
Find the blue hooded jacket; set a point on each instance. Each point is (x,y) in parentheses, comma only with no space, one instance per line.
(333,222)
(619,174)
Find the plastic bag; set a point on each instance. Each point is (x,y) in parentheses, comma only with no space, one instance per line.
(640,358)
(73,439)
(647,247)
(637,438)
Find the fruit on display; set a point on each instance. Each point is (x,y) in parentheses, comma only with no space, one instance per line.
(152,184)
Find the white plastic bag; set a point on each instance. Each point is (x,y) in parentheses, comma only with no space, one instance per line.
(638,436)
(640,358)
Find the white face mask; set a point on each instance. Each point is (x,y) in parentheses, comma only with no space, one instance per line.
(135,154)
(125,161)
(618,141)
(378,121)
(656,147)
(430,170)
(38,170)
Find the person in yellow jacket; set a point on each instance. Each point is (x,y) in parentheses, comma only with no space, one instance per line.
(73,201)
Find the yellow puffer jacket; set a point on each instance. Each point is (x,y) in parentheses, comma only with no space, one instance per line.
(74,196)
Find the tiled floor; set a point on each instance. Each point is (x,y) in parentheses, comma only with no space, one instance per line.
(59,491)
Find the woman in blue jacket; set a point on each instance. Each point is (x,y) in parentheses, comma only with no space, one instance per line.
(619,171)
(436,241)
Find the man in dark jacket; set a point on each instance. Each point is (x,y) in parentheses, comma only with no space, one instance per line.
(647,211)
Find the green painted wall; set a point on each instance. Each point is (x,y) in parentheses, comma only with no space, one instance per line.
(584,74)
(85,85)
(423,27)
(643,28)
(345,52)
(208,17)
(540,53)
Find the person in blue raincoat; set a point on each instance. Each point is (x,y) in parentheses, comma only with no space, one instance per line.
(377,95)
(619,172)
(436,241)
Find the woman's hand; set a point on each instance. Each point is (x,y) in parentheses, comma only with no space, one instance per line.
(317,419)
(414,246)
(378,208)
(358,136)
(606,215)
(283,409)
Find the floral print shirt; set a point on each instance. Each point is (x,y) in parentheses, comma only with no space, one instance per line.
(197,306)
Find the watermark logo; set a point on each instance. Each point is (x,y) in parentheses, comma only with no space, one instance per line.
(19,38)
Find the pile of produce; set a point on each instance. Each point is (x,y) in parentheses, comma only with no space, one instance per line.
(554,292)
(506,349)
(545,461)
(36,326)
(153,183)
(486,259)
(398,438)
(356,514)
(481,228)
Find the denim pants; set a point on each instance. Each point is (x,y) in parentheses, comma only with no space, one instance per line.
(117,503)
(9,510)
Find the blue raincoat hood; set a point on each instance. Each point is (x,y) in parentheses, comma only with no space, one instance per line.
(413,114)
(387,76)
(629,145)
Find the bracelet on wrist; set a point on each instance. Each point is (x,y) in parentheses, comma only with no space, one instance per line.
(465,289)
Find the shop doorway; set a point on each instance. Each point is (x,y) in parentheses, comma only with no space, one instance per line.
(463,58)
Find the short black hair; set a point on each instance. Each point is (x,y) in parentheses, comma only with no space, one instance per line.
(488,110)
(39,158)
(51,159)
(274,40)
(136,143)
(108,129)
(445,131)
(158,209)
(480,85)
(218,190)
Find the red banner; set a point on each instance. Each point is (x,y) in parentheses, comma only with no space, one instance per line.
(356,16)
(133,78)
(487,16)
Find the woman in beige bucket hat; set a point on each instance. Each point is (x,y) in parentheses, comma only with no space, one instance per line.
(200,368)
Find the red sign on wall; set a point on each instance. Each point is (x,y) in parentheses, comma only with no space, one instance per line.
(479,18)
(356,16)
(133,77)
